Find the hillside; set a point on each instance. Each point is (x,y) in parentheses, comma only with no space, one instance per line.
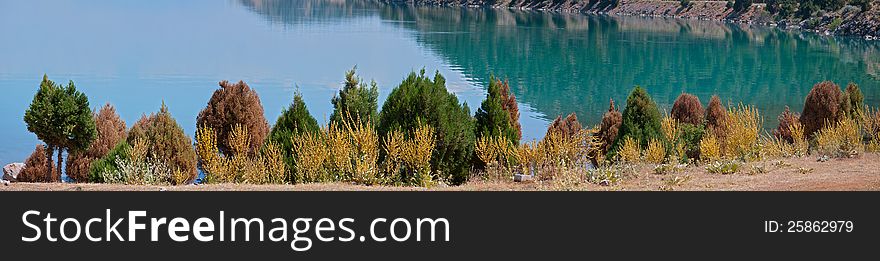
(839,17)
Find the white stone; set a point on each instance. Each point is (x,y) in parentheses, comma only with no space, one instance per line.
(11,170)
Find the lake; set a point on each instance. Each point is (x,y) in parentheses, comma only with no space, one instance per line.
(137,54)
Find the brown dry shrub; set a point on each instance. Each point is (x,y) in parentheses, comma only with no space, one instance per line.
(568,127)
(716,115)
(35,167)
(688,109)
(821,106)
(234,104)
(609,127)
(166,142)
(508,104)
(787,119)
(111,130)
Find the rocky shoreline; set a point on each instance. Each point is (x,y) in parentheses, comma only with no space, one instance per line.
(848,21)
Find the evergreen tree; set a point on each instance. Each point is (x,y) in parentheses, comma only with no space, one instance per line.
(293,121)
(641,120)
(418,99)
(493,118)
(356,101)
(60,116)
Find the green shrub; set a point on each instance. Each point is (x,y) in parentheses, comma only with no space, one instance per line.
(855,101)
(493,119)
(641,120)
(60,116)
(108,162)
(166,142)
(690,136)
(741,5)
(229,106)
(294,121)
(420,99)
(821,107)
(355,100)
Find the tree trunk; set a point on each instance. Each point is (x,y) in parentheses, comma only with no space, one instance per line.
(49,152)
(59,165)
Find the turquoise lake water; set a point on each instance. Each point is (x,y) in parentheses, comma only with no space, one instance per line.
(137,54)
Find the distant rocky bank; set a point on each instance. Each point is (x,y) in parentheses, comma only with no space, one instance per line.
(849,20)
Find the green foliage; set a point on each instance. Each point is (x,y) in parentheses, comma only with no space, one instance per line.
(60,116)
(166,142)
(420,99)
(782,8)
(107,164)
(741,5)
(641,120)
(724,167)
(855,101)
(356,100)
(690,137)
(294,121)
(492,119)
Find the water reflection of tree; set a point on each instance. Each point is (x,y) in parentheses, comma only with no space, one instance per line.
(301,11)
(560,63)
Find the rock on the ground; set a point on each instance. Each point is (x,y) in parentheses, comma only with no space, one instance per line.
(11,170)
(522,178)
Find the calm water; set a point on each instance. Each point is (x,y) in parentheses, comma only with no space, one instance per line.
(135,54)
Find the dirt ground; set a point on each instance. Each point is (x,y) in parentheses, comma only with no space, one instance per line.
(793,174)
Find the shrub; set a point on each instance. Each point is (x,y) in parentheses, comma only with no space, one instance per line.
(420,99)
(787,119)
(630,150)
(689,138)
(743,126)
(60,116)
(266,167)
(821,106)
(724,167)
(710,148)
(688,109)
(293,121)
(111,130)
(107,163)
(356,100)
(493,150)
(870,120)
(655,152)
(641,119)
(716,115)
(416,155)
(234,104)
(855,101)
(498,115)
(842,139)
(567,127)
(608,129)
(166,142)
(309,153)
(741,5)
(37,167)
